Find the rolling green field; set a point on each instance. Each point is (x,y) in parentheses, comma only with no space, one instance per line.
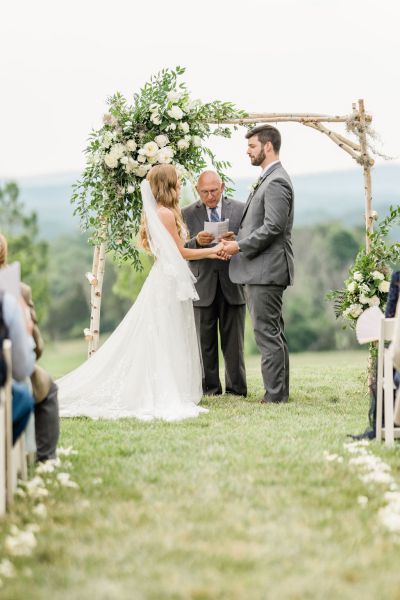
(236,504)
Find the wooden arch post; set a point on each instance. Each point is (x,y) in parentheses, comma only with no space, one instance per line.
(356,122)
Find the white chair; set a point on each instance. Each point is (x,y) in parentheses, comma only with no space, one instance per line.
(385,386)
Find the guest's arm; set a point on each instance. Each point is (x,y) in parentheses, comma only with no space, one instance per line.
(23,356)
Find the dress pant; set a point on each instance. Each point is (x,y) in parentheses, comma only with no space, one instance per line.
(230,320)
(47,425)
(265,306)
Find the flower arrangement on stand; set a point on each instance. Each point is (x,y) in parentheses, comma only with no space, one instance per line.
(163,125)
(369,277)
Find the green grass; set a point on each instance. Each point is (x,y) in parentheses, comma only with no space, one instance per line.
(237,504)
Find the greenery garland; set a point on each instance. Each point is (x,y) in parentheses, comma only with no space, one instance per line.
(163,125)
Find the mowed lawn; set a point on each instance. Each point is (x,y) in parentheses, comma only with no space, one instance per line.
(236,504)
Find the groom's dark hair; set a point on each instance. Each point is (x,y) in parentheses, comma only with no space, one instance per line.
(266,133)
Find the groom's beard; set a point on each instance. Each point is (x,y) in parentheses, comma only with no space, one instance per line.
(259,159)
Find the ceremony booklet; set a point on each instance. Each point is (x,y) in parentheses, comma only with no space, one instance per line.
(217,229)
(10,279)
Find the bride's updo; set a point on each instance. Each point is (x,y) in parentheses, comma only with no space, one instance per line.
(165,185)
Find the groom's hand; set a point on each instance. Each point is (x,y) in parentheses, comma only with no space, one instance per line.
(203,238)
(229,236)
(230,248)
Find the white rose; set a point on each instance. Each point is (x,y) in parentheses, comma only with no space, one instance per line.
(141,158)
(131,166)
(184,127)
(117,150)
(161,141)
(175,112)
(124,160)
(141,171)
(183,144)
(378,275)
(364,288)
(152,159)
(357,276)
(155,118)
(131,145)
(355,310)
(171,127)
(384,287)
(363,299)
(174,96)
(374,301)
(150,149)
(352,287)
(111,161)
(130,189)
(164,155)
(196,141)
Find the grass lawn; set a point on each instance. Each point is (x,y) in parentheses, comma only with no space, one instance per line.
(237,504)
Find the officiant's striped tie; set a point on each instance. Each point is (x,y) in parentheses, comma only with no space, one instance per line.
(214,215)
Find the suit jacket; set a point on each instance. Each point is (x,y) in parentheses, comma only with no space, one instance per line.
(209,271)
(266,253)
(393,295)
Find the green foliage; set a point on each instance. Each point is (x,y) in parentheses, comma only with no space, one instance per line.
(368,278)
(22,233)
(163,125)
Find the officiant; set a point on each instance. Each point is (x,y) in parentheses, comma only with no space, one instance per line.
(221,303)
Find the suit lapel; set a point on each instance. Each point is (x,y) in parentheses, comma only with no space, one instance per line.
(226,208)
(201,214)
(265,176)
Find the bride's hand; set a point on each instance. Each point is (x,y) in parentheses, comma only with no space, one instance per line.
(218,252)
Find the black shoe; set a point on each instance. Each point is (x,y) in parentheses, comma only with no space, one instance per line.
(232,393)
(369,434)
(268,400)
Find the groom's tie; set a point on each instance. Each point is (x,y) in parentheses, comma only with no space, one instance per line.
(214,215)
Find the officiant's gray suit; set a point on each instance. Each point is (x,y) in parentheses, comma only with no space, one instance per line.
(221,302)
(265,265)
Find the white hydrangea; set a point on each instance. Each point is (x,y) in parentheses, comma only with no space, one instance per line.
(378,275)
(171,127)
(357,276)
(363,299)
(384,286)
(161,141)
(196,141)
(131,145)
(184,127)
(118,150)
(175,112)
(20,543)
(374,301)
(352,287)
(107,140)
(155,118)
(183,144)
(174,96)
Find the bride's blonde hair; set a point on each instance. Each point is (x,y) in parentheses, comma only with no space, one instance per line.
(164,183)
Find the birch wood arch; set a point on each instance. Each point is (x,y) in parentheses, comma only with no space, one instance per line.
(357,123)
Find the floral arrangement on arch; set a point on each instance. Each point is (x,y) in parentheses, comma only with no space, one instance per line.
(369,277)
(163,125)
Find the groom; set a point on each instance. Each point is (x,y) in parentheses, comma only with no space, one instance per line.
(263,257)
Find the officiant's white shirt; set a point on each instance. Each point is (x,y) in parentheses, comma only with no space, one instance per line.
(218,207)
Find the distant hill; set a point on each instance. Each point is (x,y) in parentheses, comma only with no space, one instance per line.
(319,197)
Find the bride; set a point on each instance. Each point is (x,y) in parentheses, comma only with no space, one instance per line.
(150,367)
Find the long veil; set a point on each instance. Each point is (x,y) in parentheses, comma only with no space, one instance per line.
(150,366)
(164,248)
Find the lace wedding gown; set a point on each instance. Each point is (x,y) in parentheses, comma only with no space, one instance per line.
(150,367)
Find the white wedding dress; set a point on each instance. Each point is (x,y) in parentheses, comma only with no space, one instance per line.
(150,367)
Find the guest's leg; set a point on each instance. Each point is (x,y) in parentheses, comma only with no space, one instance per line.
(206,318)
(47,425)
(22,406)
(265,305)
(231,328)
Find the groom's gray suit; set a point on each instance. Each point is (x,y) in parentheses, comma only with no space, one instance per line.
(265,265)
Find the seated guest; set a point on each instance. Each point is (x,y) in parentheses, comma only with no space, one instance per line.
(44,389)
(15,327)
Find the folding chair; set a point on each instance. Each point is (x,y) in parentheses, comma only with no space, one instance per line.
(385,386)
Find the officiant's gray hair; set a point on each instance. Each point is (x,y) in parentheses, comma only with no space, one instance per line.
(266,133)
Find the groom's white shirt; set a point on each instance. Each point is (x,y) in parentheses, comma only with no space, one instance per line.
(268,167)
